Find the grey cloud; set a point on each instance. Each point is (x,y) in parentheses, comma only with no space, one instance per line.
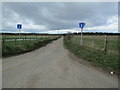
(61,15)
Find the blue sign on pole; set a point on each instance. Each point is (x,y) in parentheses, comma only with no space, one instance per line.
(81,25)
(19,26)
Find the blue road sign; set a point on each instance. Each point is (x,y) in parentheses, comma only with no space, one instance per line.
(19,26)
(81,25)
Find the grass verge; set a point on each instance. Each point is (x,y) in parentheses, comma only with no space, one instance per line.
(107,61)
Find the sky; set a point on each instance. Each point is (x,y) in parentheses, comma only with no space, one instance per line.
(59,17)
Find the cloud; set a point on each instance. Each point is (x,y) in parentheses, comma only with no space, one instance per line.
(0,16)
(48,16)
(111,26)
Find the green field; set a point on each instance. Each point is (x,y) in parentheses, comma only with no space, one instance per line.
(11,45)
(92,50)
(98,42)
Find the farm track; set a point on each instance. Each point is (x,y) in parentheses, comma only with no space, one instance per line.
(52,66)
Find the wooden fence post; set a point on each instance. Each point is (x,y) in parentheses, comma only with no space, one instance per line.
(30,39)
(15,41)
(93,43)
(25,39)
(36,38)
(105,43)
(3,41)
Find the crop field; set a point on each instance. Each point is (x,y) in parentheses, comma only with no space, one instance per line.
(93,51)
(12,45)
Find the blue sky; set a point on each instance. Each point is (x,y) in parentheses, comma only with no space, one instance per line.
(58,17)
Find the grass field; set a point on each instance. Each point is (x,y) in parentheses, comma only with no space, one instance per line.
(92,50)
(98,42)
(11,46)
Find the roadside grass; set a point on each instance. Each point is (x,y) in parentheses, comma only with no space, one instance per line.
(100,58)
(10,48)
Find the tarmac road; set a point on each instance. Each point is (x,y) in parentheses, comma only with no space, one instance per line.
(52,66)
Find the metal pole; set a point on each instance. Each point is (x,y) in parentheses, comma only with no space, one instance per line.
(81,36)
(19,36)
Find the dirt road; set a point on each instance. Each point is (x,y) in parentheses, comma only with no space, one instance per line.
(52,66)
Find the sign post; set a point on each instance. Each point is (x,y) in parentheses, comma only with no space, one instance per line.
(81,25)
(19,26)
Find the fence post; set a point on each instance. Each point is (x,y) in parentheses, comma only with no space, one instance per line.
(30,39)
(15,41)
(3,41)
(36,38)
(25,39)
(92,43)
(105,43)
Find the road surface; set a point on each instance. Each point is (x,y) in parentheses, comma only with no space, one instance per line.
(52,66)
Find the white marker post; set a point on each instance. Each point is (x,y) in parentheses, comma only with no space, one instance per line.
(81,25)
(19,34)
(19,26)
(81,36)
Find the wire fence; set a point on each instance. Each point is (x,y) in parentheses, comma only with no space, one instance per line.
(13,45)
(106,43)
(24,39)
